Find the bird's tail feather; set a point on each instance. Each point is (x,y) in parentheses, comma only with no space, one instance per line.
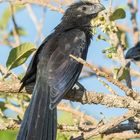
(39,123)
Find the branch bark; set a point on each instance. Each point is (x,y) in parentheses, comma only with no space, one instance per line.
(78,95)
(102,129)
(45,3)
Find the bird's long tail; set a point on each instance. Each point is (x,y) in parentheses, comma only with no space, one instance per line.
(39,123)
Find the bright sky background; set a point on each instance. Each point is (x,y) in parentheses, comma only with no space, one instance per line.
(95,52)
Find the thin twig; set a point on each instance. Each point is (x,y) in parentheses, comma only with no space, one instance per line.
(133,10)
(107,86)
(36,22)
(110,6)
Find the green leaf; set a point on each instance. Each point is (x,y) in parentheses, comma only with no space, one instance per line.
(6,15)
(121,73)
(101,37)
(21,32)
(118,14)
(19,55)
(2,106)
(110,50)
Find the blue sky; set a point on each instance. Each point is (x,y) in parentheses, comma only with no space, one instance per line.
(95,54)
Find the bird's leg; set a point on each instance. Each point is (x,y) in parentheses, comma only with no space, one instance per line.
(80,86)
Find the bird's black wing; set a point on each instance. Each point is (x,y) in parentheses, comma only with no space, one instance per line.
(30,75)
(63,71)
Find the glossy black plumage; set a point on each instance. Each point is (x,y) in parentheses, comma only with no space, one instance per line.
(54,72)
(134,53)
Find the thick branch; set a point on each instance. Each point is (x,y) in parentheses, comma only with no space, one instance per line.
(78,95)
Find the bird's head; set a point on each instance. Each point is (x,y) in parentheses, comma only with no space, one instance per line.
(82,11)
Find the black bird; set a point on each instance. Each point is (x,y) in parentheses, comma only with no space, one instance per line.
(54,72)
(134,53)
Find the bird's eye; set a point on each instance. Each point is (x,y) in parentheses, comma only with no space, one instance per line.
(84,8)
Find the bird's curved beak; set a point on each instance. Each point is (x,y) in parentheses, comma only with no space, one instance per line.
(98,7)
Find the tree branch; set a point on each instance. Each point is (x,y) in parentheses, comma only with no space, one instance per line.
(98,72)
(133,10)
(109,125)
(45,3)
(78,95)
